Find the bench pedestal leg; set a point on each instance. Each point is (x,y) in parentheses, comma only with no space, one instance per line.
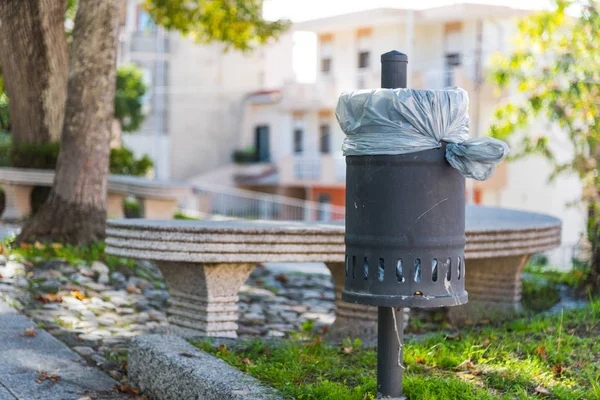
(18,201)
(352,320)
(494,287)
(159,208)
(114,205)
(203,297)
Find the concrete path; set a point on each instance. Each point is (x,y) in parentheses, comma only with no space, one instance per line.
(42,367)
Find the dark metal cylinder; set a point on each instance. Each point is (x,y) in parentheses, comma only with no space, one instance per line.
(393,70)
(405,230)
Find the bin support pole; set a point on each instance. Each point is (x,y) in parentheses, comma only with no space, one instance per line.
(389,351)
(390,321)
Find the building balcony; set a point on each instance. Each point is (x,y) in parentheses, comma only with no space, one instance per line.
(324,169)
(309,96)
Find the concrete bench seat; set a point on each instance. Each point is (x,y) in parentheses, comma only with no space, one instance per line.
(206,262)
(159,198)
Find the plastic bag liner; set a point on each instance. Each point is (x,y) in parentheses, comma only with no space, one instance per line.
(401,121)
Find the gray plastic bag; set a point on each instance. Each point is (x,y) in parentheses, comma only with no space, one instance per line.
(401,121)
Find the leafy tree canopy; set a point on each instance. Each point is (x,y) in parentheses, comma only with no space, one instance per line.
(556,68)
(236,23)
(128,97)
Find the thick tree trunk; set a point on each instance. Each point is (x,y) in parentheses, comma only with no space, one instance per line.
(34,58)
(76,208)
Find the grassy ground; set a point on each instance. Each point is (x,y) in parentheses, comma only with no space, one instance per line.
(555,357)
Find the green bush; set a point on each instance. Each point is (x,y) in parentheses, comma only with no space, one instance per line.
(132,208)
(181,215)
(34,155)
(45,156)
(123,161)
(130,90)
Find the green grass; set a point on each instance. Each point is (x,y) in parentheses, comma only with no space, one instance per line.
(557,354)
(73,255)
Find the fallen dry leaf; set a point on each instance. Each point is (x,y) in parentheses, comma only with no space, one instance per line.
(43,376)
(420,360)
(325,329)
(49,298)
(572,331)
(542,390)
(188,355)
(485,341)
(1,276)
(347,350)
(318,340)
(132,289)
(57,246)
(24,245)
(541,351)
(126,389)
(558,369)
(77,294)
(246,361)
(465,365)
(85,398)
(281,278)
(30,332)
(38,246)
(259,282)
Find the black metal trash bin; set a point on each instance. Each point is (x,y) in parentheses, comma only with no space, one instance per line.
(405,230)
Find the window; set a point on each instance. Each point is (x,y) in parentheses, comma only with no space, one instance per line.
(325,65)
(325,139)
(452,61)
(363,59)
(298,140)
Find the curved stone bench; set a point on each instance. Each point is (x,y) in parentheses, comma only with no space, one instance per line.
(206,262)
(159,198)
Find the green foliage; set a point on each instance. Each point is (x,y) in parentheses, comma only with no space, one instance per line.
(4,120)
(34,155)
(132,208)
(556,68)
(130,89)
(45,155)
(236,23)
(244,156)
(518,360)
(123,161)
(181,215)
(74,255)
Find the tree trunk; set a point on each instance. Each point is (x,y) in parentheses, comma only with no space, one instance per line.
(76,208)
(34,58)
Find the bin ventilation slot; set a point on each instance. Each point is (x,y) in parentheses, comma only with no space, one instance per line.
(380,269)
(353,266)
(434,270)
(417,271)
(366,268)
(347,265)
(459,273)
(399,272)
(448,269)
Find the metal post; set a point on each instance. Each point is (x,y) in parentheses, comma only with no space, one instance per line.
(390,321)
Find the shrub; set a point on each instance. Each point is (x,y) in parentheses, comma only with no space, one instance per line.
(132,208)
(123,161)
(45,156)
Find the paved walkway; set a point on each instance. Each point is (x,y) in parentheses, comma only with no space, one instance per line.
(35,365)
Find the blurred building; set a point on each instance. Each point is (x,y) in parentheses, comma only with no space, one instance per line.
(196,93)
